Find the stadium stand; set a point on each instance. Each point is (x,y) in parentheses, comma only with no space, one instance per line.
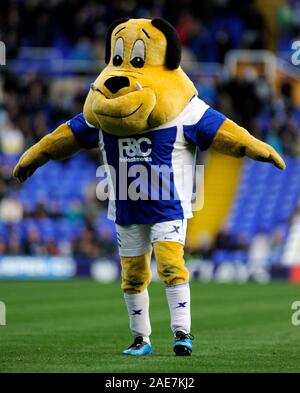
(261,214)
(56,212)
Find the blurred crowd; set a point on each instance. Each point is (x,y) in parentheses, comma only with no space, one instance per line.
(207,29)
(29,108)
(27,112)
(271,117)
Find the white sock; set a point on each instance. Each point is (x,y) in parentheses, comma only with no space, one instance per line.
(179,304)
(138,312)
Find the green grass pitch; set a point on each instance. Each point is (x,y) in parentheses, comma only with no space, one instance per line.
(81,326)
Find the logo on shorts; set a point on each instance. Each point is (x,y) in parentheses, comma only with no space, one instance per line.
(135,150)
(176,229)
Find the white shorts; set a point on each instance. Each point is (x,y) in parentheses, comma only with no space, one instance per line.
(137,239)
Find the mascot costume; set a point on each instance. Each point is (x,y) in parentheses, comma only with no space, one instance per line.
(143,109)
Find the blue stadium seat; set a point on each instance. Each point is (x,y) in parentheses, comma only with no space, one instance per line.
(265,200)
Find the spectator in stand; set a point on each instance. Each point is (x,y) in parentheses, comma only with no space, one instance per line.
(260,250)
(11,209)
(33,244)
(225,239)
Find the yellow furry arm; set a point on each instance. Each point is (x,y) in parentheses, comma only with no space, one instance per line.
(58,145)
(235,141)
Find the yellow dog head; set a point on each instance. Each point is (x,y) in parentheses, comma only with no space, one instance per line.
(142,85)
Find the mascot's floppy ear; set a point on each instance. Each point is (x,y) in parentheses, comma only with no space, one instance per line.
(173,52)
(108,37)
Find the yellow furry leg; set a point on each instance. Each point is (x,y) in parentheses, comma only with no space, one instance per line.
(136,273)
(170,262)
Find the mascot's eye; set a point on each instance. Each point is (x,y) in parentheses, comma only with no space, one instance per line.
(137,62)
(117,60)
(138,53)
(118,52)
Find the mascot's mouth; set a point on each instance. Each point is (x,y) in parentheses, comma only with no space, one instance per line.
(121,117)
(96,89)
(121,114)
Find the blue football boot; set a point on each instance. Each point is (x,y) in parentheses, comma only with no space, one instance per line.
(138,348)
(183,344)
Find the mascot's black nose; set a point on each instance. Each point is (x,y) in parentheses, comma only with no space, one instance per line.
(116,83)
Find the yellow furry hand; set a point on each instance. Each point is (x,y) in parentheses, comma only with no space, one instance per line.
(260,151)
(235,141)
(58,145)
(29,162)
